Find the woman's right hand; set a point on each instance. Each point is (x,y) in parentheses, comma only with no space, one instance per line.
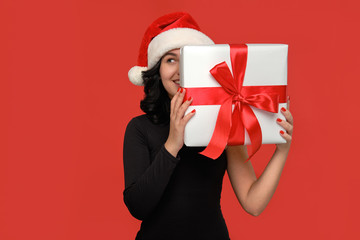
(178,122)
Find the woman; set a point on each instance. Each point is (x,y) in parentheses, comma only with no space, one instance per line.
(172,188)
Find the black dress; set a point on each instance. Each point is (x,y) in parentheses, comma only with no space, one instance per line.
(176,198)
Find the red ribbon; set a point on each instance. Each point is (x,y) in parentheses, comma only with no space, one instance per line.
(230,125)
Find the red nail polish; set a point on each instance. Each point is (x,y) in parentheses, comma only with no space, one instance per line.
(181,90)
(282,132)
(279,120)
(283,109)
(178,89)
(193,111)
(189,98)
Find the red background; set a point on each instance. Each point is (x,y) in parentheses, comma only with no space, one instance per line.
(65,101)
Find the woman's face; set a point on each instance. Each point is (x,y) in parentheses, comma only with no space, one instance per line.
(169,72)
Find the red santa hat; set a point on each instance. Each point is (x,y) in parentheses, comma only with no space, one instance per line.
(168,32)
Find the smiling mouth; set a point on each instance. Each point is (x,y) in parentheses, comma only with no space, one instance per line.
(177,82)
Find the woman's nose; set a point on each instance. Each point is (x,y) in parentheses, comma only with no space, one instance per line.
(178,70)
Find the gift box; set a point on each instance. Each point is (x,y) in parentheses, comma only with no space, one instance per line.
(245,83)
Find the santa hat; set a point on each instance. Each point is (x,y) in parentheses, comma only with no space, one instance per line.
(168,32)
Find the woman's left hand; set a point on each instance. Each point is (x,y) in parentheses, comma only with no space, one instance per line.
(288,126)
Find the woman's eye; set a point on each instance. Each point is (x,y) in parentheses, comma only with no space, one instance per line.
(170,60)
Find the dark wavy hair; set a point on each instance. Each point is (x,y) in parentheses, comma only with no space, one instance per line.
(156,102)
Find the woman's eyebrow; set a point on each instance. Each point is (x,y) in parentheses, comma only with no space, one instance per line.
(172,54)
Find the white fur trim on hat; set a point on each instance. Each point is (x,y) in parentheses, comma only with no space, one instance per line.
(135,75)
(172,39)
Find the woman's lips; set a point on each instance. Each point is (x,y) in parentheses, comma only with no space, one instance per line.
(177,82)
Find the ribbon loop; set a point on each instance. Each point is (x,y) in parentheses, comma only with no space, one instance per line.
(223,76)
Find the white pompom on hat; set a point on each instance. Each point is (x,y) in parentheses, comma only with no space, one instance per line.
(166,33)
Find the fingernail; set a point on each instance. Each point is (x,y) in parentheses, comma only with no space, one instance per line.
(181,90)
(178,89)
(189,98)
(193,111)
(282,132)
(283,109)
(279,120)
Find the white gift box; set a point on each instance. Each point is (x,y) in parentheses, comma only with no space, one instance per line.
(266,66)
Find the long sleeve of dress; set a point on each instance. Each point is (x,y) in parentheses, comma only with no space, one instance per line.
(145,178)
